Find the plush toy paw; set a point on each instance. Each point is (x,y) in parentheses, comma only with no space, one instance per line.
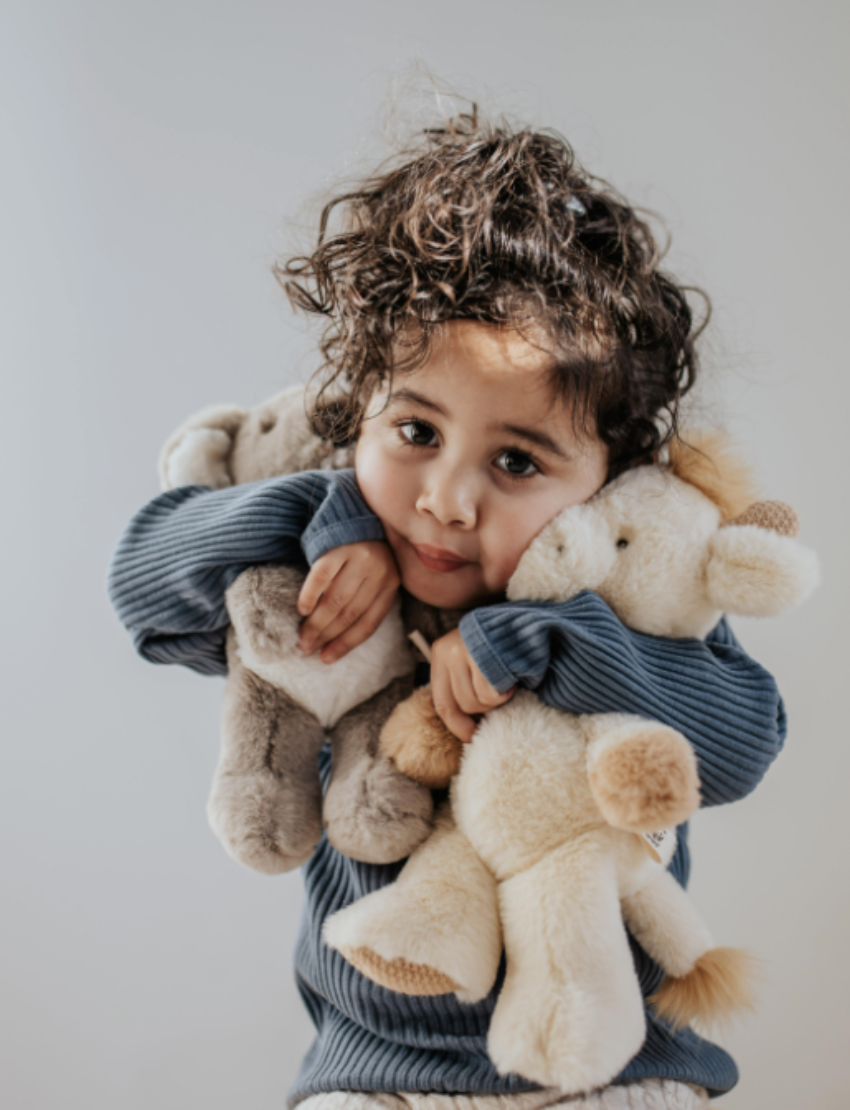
(377,815)
(647,780)
(261,825)
(261,604)
(720,982)
(418,742)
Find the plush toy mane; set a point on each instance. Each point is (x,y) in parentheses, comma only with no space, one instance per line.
(709,462)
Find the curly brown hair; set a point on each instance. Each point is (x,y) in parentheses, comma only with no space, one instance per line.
(501,225)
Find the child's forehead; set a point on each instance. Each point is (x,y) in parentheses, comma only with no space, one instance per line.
(493,378)
(496,347)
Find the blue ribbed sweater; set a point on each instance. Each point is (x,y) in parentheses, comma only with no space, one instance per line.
(167,582)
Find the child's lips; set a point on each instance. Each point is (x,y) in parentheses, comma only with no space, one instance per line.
(438,558)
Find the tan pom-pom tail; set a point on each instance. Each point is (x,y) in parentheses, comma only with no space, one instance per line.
(418,742)
(720,982)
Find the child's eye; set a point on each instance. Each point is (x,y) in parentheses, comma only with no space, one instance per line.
(516,463)
(418,433)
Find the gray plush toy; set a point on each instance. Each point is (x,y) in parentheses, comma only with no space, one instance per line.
(266,803)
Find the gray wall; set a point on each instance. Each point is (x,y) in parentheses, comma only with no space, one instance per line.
(155,157)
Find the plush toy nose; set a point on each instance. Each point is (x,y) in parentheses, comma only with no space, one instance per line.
(574,552)
(776,516)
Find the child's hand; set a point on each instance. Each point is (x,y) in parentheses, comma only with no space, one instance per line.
(459,690)
(346,595)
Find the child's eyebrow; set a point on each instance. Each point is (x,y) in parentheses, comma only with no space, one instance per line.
(416,399)
(535,436)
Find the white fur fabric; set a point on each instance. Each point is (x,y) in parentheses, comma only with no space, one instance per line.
(329,693)
(649,1094)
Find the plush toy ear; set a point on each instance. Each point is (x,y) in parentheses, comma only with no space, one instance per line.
(756,567)
(198,453)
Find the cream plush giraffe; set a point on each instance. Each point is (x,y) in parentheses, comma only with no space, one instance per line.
(553,838)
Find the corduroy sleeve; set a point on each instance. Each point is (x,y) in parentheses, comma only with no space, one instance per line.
(581,659)
(180,553)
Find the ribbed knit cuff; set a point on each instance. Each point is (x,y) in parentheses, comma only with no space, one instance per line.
(341,532)
(484,654)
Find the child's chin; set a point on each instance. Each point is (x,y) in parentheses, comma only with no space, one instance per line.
(454,590)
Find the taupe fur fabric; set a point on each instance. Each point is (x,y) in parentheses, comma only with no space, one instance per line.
(266,803)
(372,812)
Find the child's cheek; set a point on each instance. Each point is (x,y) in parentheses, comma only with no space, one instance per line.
(382,481)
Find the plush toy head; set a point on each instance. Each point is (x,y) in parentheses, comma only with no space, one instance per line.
(672,548)
(226,446)
(668,548)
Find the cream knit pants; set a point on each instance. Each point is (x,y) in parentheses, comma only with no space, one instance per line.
(648,1094)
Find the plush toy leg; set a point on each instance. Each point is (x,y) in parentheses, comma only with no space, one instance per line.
(703,984)
(433,931)
(372,812)
(266,802)
(570,1014)
(643,775)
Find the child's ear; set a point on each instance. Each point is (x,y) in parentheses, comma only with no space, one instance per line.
(198,452)
(756,567)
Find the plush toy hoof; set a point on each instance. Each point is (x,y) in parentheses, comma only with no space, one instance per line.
(260,827)
(720,982)
(419,744)
(648,781)
(377,815)
(399,975)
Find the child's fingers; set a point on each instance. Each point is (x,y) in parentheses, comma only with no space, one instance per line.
(355,623)
(322,573)
(340,606)
(445,703)
(464,692)
(488,696)
(362,628)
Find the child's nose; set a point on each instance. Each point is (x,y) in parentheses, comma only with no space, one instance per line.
(451,497)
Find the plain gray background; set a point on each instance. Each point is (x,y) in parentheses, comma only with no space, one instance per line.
(156,157)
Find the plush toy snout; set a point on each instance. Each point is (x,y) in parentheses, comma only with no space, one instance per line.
(756,567)
(574,552)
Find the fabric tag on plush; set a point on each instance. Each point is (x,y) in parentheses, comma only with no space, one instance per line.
(656,841)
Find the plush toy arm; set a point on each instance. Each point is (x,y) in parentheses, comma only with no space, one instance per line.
(578,657)
(266,800)
(183,550)
(643,775)
(261,604)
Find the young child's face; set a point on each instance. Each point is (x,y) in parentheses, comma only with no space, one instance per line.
(467,461)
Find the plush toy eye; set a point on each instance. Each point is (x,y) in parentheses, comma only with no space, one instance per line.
(622,542)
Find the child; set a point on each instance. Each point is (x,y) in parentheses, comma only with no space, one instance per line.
(506,343)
